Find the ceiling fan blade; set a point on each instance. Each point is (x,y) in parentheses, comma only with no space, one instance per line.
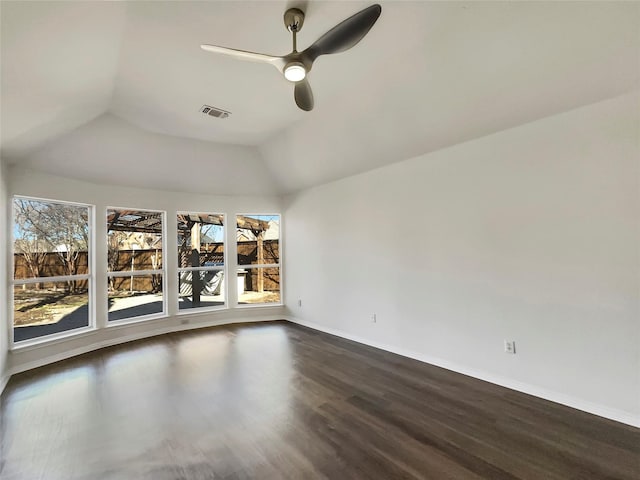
(278,62)
(303,95)
(346,34)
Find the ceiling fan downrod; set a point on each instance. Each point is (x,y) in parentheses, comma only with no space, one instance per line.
(293,20)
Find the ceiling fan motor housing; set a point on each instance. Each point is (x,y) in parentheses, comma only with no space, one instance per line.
(294,19)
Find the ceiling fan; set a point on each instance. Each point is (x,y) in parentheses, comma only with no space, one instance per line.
(296,65)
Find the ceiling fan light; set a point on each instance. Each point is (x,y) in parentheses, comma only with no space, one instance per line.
(295,71)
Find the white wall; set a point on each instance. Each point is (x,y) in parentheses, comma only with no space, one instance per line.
(531,234)
(42,185)
(4,332)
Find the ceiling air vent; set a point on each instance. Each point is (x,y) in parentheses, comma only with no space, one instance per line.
(214,111)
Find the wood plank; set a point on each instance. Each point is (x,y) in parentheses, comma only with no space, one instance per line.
(279,401)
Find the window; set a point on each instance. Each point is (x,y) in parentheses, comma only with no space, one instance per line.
(51,268)
(200,260)
(258,243)
(135,266)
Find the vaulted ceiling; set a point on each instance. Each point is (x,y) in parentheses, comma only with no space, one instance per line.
(111,91)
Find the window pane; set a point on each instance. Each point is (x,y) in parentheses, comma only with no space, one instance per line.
(258,238)
(208,288)
(51,239)
(135,296)
(259,285)
(134,240)
(45,308)
(200,240)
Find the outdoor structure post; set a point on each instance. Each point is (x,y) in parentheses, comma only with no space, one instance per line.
(196,282)
(260,241)
(133,259)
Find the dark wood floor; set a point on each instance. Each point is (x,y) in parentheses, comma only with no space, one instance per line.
(278,401)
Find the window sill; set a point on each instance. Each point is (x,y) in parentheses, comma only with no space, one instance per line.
(40,342)
(199,310)
(134,320)
(62,337)
(259,305)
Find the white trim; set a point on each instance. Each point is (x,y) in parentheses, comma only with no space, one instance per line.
(11,268)
(242,306)
(165,267)
(41,199)
(89,277)
(51,339)
(258,265)
(130,338)
(58,279)
(195,310)
(4,379)
(134,273)
(218,268)
(231,261)
(111,207)
(91,265)
(203,268)
(137,319)
(281,255)
(534,390)
(278,265)
(252,215)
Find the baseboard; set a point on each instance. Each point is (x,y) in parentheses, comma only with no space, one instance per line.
(40,362)
(4,379)
(546,394)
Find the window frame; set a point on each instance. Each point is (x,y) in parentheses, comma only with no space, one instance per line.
(238,266)
(136,273)
(89,277)
(224,269)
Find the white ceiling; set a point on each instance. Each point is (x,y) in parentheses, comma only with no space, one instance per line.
(90,89)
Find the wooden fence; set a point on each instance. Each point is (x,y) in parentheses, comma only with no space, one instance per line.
(126,260)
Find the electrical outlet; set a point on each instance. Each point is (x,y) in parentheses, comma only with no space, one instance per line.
(510,346)
(299,302)
(373,318)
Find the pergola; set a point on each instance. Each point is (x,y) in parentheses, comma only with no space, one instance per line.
(189,224)
(151,222)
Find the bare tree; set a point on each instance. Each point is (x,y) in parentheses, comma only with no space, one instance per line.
(114,240)
(32,249)
(61,228)
(69,232)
